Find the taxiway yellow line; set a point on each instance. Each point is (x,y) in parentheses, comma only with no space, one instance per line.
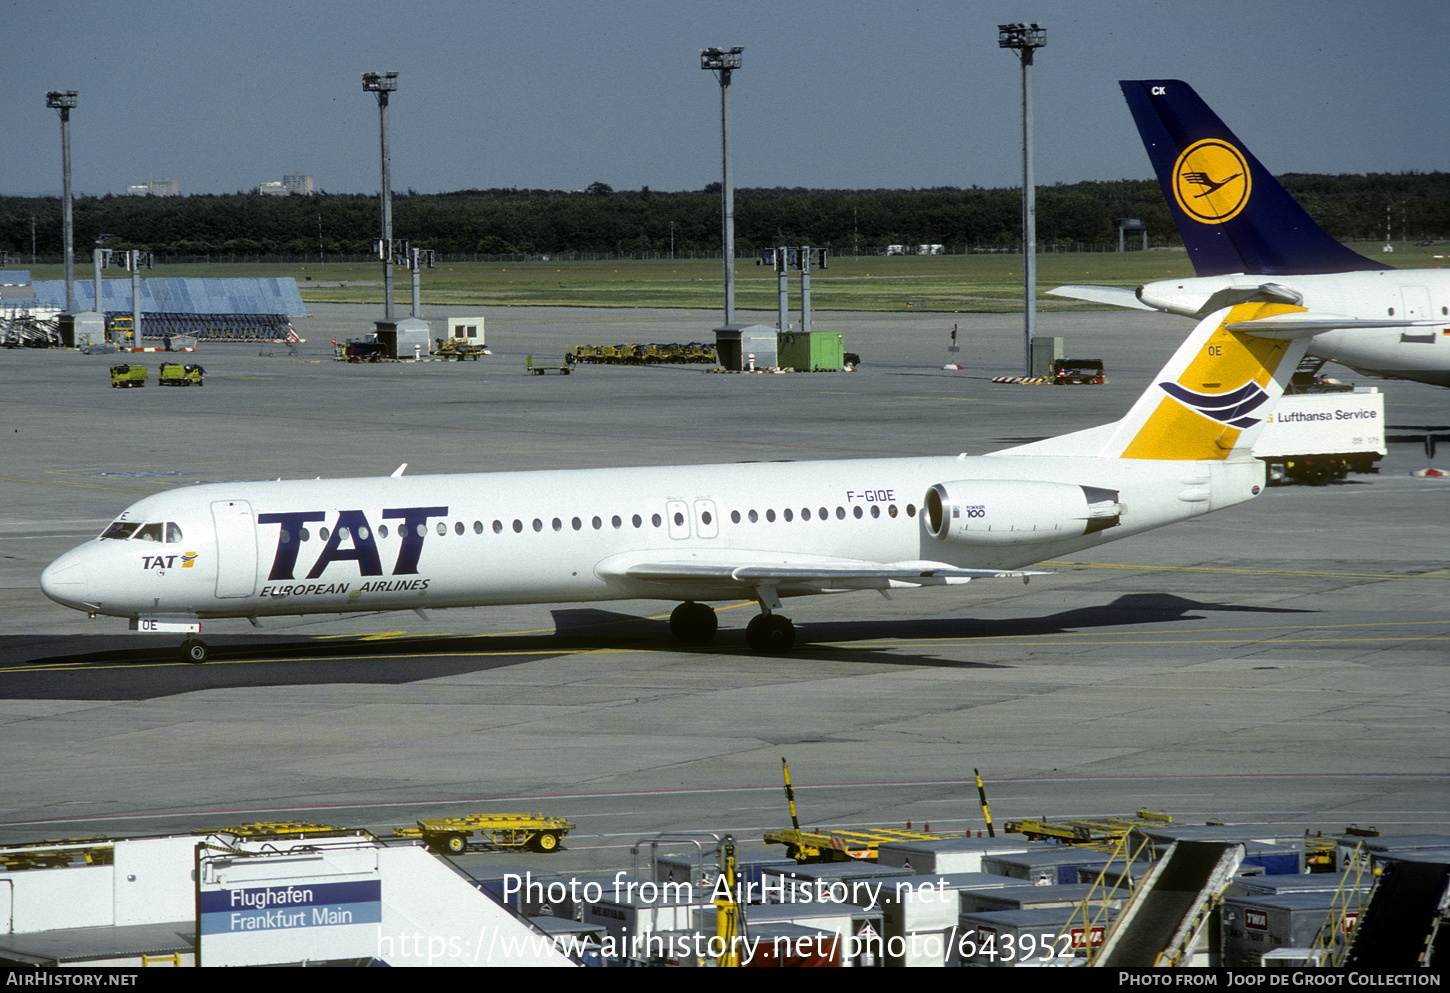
(1439,575)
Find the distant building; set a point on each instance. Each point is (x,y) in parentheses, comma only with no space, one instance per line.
(299,183)
(155,188)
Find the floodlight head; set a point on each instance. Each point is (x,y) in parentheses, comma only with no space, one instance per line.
(720,58)
(57,100)
(380,82)
(1022,37)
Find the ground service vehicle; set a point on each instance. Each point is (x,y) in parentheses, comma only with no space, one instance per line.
(126,376)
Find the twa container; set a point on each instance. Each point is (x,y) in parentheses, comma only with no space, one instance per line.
(919,910)
(1031,898)
(1049,865)
(949,854)
(1253,925)
(1010,938)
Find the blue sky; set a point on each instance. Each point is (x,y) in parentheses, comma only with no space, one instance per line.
(557,94)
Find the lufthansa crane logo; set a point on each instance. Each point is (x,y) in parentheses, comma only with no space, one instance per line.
(1211,181)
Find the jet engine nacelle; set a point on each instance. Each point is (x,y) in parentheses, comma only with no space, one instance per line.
(1016,512)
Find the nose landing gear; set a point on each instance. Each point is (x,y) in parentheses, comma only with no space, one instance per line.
(193,650)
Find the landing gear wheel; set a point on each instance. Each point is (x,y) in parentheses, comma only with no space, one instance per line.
(693,623)
(770,633)
(546,841)
(193,650)
(457,844)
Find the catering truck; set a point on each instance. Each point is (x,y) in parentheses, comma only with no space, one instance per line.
(1323,434)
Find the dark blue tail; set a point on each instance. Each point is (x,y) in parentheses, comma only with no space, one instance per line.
(1233,215)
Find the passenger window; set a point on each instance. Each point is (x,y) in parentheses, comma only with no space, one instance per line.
(616,521)
(458,527)
(557,524)
(518,526)
(875,510)
(734,517)
(498,527)
(787,515)
(478,527)
(805,513)
(656,520)
(577,524)
(637,521)
(538,524)
(442,528)
(382,530)
(597,523)
(857,512)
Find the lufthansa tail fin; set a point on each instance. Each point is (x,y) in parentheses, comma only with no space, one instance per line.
(1209,402)
(1233,215)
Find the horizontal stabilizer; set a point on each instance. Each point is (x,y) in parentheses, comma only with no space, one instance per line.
(1117,296)
(1309,323)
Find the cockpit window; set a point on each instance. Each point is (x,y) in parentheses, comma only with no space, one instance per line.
(173,533)
(120,530)
(148,532)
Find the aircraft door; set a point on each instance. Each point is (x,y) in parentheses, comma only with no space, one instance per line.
(677,512)
(1417,302)
(706,524)
(236,548)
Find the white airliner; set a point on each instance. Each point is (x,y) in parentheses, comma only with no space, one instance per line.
(762,531)
(1249,240)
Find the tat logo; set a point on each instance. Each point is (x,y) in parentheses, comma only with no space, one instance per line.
(1211,181)
(353,528)
(1229,409)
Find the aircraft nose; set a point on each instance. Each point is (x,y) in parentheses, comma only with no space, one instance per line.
(64,580)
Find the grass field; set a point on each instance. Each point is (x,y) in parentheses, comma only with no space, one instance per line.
(943,283)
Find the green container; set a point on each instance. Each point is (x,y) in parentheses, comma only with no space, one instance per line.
(814,352)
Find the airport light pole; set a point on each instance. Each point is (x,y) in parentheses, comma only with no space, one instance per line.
(723,62)
(383,83)
(1025,39)
(65,103)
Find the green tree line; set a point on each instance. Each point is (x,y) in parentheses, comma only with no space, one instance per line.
(605,221)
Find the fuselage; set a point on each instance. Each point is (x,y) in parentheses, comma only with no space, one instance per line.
(1420,352)
(251,549)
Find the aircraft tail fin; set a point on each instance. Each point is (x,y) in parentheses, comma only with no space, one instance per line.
(1231,212)
(1213,397)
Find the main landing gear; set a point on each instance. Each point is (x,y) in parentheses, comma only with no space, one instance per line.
(695,624)
(770,633)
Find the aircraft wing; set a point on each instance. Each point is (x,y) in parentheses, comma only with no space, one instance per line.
(747,574)
(1118,296)
(1306,323)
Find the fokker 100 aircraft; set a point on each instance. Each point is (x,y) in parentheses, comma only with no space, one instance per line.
(1249,240)
(760,531)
